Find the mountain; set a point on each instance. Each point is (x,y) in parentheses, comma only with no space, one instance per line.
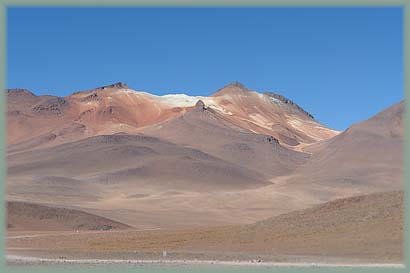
(271,114)
(37,121)
(210,131)
(49,120)
(126,161)
(235,157)
(367,157)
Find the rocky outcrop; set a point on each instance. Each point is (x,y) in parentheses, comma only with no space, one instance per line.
(107,111)
(200,105)
(118,85)
(54,105)
(288,101)
(271,139)
(82,114)
(19,92)
(92,97)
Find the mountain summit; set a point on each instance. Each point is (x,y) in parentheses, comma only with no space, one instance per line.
(118,85)
(104,110)
(150,161)
(232,88)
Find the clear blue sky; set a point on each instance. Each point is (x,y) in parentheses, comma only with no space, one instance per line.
(341,65)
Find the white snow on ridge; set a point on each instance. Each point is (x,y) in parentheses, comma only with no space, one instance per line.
(183,100)
(179,100)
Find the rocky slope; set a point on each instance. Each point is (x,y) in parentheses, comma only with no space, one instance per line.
(48,120)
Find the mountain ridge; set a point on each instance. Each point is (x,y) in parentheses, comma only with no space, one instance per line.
(121,85)
(116,107)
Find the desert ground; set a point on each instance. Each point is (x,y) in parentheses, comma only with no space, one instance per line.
(351,230)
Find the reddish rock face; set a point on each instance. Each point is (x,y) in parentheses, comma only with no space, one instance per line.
(116,108)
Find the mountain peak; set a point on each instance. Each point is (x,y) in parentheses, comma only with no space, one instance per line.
(231,88)
(118,85)
(237,84)
(20,91)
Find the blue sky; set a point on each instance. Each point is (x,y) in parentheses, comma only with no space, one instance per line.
(342,65)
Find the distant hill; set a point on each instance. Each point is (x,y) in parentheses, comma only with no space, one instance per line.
(27,216)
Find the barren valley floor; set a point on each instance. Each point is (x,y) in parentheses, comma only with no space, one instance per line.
(350,231)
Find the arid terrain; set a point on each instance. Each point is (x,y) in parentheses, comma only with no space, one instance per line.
(352,229)
(115,173)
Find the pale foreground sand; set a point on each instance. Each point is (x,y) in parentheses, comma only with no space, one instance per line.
(15,259)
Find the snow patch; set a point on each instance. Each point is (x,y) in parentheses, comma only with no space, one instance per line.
(178,100)
(183,100)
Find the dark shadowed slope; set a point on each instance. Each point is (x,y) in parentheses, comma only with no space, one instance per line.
(131,164)
(30,217)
